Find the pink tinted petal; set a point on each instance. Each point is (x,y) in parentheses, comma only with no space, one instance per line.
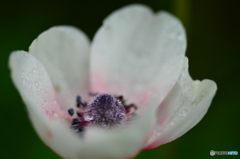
(35,87)
(97,143)
(183,108)
(138,54)
(64,52)
(112,144)
(49,120)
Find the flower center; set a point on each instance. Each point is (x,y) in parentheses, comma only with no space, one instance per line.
(105,110)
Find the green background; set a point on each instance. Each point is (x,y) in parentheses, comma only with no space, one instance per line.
(213,30)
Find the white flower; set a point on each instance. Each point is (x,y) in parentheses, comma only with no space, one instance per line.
(137,54)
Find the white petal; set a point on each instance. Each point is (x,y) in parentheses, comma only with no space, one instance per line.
(35,87)
(33,82)
(119,144)
(183,108)
(64,52)
(137,54)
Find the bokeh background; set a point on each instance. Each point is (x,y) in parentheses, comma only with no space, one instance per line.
(213,31)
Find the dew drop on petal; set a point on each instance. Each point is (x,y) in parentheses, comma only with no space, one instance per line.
(180,37)
(24,81)
(184,113)
(159,133)
(88,117)
(172,123)
(172,35)
(55,114)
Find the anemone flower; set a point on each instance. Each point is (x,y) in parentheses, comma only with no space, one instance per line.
(127,91)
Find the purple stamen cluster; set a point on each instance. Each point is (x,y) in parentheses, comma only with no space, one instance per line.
(104,110)
(107,111)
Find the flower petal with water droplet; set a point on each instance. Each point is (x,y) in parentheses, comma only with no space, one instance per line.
(64,52)
(183,108)
(133,55)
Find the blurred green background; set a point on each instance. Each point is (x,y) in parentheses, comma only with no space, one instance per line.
(213,30)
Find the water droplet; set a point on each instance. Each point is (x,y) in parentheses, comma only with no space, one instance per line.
(55,114)
(172,35)
(88,116)
(172,22)
(180,37)
(106,26)
(138,88)
(184,112)
(24,82)
(151,139)
(172,123)
(159,133)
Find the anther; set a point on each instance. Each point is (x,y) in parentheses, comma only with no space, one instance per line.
(78,100)
(131,105)
(106,111)
(80,103)
(120,97)
(70,112)
(80,128)
(75,121)
(84,104)
(79,114)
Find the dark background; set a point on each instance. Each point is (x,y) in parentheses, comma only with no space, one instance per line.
(213,30)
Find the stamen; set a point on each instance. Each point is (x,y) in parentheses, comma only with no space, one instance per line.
(104,110)
(80,103)
(80,128)
(79,114)
(70,112)
(75,121)
(84,104)
(120,98)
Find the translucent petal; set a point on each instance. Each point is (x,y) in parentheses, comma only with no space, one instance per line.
(138,54)
(35,87)
(98,143)
(64,52)
(183,108)
(52,123)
